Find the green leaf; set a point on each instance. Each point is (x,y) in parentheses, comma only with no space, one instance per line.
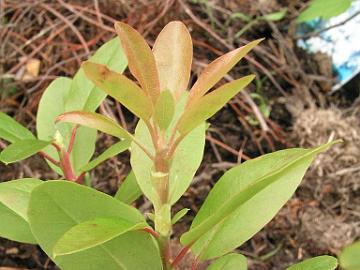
(64,95)
(179,215)
(238,205)
(230,261)
(173,53)
(316,263)
(12,131)
(95,121)
(141,59)
(164,109)
(186,160)
(120,88)
(216,70)
(20,150)
(208,105)
(349,257)
(129,190)
(93,233)
(241,16)
(52,104)
(57,206)
(276,16)
(325,9)
(14,200)
(84,95)
(112,151)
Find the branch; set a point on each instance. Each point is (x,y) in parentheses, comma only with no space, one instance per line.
(49,158)
(180,256)
(72,139)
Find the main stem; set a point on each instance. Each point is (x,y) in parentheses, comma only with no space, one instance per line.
(163,207)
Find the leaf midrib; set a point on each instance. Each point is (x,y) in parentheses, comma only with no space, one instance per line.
(275,172)
(76,222)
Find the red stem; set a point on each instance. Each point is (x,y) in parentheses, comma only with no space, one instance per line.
(151,231)
(46,156)
(66,166)
(80,178)
(72,139)
(180,256)
(195,264)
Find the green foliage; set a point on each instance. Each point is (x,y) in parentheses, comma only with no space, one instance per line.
(93,233)
(251,22)
(129,190)
(12,131)
(324,9)
(95,121)
(349,257)
(316,263)
(82,228)
(14,198)
(83,94)
(64,95)
(23,149)
(240,199)
(275,16)
(120,88)
(112,151)
(208,105)
(64,205)
(179,215)
(164,110)
(185,162)
(230,261)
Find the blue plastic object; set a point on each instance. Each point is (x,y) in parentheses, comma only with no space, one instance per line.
(341,43)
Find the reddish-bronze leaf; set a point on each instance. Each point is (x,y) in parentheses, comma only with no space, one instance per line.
(217,70)
(120,88)
(208,105)
(141,59)
(173,53)
(96,121)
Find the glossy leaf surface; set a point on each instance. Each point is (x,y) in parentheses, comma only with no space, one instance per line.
(120,88)
(14,200)
(129,190)
(186,160)
(93,233)
(230,261)
(141,59)
(95,121)
(324,9)
(84,95)
(112,151)
(57,206)
(208,105)
(52,104)
(12,131)
(179,215)
(349,257)
(316,263)
(243,194)
(20,150)
(173,53)
(164,109)
(217,69)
